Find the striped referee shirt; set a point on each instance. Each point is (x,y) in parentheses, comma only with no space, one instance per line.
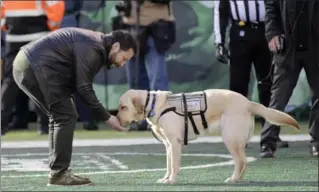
(237,10)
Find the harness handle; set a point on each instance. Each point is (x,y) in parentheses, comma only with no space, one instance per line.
(185,119)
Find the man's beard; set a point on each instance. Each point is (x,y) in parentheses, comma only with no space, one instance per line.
(113,60)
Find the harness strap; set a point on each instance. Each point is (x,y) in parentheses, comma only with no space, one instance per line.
(185,119)
(190,116)
(168,110)
(204,122)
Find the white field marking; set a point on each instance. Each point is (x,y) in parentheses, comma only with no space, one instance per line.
(230,162)
(114,161)
(134,141)
(100,165)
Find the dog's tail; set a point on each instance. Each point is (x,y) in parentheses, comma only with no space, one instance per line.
(273,116)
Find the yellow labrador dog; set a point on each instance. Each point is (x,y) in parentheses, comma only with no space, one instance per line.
(228,112)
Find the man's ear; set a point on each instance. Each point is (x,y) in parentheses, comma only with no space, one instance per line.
(137,102)
(116,47)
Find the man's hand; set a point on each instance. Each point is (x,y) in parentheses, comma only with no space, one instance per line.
(222,54)
(274,44)
(115,124)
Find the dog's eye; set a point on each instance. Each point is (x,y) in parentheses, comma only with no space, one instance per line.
(123,107)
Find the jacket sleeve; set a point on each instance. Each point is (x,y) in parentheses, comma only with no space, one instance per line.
(221,20)
(54,10)
(85,59)
(3,18)
(273,21)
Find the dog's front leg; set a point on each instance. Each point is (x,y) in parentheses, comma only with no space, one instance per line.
(168,162)
(176,152)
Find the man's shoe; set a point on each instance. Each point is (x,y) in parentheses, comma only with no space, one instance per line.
(282,144)
(90,126)
(314,151)
(67,178)
(266,152)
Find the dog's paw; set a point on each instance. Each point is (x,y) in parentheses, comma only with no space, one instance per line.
(169,181)
(161,180)
(231,180)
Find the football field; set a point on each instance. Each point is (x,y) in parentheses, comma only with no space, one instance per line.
(135,164)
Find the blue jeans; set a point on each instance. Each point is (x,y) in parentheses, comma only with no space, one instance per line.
(152,70)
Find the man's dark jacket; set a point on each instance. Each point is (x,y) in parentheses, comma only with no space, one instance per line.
(66,61)
(280,18)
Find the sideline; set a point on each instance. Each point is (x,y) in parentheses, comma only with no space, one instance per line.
(134,141)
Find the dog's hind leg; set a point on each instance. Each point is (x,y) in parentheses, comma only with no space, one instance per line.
(241,149)
(235,133)
(175,153)
(243,158)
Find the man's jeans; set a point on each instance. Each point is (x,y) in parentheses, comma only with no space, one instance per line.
(152,70)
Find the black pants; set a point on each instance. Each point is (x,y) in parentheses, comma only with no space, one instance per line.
(284,82)
(62,115)
(248,46)
(10,93)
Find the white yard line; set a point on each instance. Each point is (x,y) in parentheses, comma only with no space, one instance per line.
(228,161)
(133,141)
(116,162)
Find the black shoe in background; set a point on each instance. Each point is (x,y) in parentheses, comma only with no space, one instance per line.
(266,152)
(314,151)
(90,126)
(282,144)
(44,130)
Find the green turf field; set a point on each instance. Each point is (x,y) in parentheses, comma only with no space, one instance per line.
(137,168)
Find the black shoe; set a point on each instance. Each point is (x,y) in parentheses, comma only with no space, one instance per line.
(4,130)
(266,152)
(314,151)
(17,126)
(43,130)
(90,126)
(67,178)
(282,144)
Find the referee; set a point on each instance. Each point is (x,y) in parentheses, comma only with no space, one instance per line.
(247,46)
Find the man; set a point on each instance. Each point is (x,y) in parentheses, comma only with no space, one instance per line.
(53,68)
(247,45)
(156,28)
(23,22)
(292,33)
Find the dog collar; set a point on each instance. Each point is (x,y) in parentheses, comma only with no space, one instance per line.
(151,113)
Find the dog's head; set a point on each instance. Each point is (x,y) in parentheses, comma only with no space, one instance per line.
(131,106)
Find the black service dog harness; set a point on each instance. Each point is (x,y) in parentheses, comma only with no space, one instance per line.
(183,104)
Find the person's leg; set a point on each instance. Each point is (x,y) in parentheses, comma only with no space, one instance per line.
(131,73)
(262,64)
(21,113)
(143,84)
(64,116)
(284,82)
(85,117)
(264,73)
(9,91)
(240,62)
(156,67)
(62,123)
(43,121)
(312,73)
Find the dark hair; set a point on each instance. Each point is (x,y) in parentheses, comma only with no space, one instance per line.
(126,40)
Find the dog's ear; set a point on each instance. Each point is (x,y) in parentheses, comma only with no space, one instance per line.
(137,102)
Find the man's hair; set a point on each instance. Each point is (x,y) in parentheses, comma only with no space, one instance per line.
(126,40)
